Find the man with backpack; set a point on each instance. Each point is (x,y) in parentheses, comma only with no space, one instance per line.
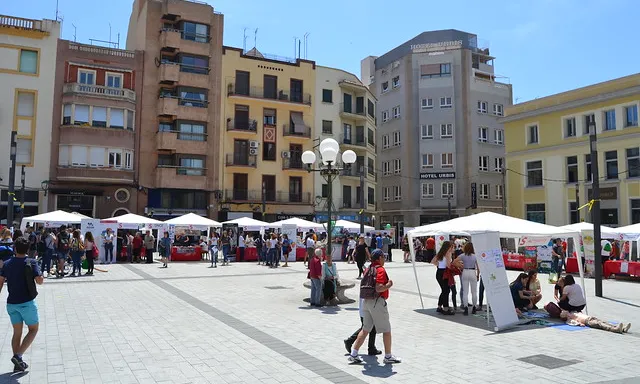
(33,242)
(22,274)
(63,249)
(374,289)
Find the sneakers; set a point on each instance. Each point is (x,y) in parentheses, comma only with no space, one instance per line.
(391,360)
(18,364)
(473,311)
(355,359)
(466,311)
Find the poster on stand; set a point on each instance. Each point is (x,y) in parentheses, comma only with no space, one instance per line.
(291,230)
(97,228)
(587,246)
(232,232)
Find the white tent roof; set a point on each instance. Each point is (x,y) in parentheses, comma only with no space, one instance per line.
(303,225)
(132,218)
(54,219)
(630,232)
(249,223)
(351,226)
(193,220)
(606,232)
(507,226)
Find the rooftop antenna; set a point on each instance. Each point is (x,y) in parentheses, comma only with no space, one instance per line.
(109,33)
(57,1)
(74,32)
(244,40)
(295,46)
(255,39)
(306,36)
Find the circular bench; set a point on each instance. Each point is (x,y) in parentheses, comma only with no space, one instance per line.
(341,298)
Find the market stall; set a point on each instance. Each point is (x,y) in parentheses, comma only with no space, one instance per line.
(350,226)
(53,219)
(131,221)
(244,224)
(571,262)
(187,230)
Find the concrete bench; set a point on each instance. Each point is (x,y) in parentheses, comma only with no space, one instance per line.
(341,298)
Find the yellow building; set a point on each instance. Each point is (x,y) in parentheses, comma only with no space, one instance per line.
(548,154)
(267,121)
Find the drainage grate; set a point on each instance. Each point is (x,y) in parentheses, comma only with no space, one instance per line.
(548,362)
(277,287)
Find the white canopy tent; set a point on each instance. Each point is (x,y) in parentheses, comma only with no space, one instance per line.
(351,226)
(630,232)
(193,221)
(606,232)
(249,224)
(303,225)
(53,219)
(133,221)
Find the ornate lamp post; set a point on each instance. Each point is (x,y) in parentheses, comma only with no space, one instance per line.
(329,170)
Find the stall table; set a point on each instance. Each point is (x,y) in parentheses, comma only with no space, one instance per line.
(616,267)
(301,252)
(250,254)
(571,265)
(519,262)
(186,253)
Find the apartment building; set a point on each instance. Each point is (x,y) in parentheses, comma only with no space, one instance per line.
(268,118)
(549,156)
(179,133)
(346,112)
(441,146)
(27,73)
(94,135)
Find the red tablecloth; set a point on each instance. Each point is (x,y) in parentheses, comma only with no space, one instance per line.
(519,262)
(181,254)
(571,265)
(250,254)
(614,268)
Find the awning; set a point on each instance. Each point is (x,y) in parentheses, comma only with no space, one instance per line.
(298,123)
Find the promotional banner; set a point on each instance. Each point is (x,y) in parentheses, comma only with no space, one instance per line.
(588,248)
(96,227)
(528,241)
(544,253)
(291,230)
(232,232)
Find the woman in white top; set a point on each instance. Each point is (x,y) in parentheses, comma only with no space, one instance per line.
(572,298)
(442,260)
(351,247)
(311,247)
(213,250)
(469,278)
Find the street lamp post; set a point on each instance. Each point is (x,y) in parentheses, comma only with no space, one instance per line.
(22,181)
(328,169)
(12,178)
(595,208)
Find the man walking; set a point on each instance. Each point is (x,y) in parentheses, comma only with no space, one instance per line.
(241,245)
(149,243)
(21,274)
(374,289)
(63,241)
(348,343)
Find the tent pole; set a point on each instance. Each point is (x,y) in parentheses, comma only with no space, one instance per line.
(413,263)
(579,256)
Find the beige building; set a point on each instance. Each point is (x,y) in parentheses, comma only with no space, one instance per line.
(178,158)
(345,111)
(27,73)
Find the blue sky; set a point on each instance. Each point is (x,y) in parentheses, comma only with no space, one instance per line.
(542,46)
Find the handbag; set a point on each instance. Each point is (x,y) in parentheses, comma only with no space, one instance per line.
(96,253)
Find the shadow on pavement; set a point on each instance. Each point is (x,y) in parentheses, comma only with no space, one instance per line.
(621,302)
(11,377)
(373,368)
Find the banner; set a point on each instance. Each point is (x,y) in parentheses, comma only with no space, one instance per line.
(544,253)
(528,241)
(96,227)
(291,230)
(232,232)
(588,248)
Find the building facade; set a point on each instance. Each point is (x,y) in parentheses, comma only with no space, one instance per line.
(95,121)
(549,156)
(268,118)
(179,135)
(438,129)
(346,111)
(27,73)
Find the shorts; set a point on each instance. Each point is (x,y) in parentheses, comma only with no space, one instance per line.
(23,313)
(63,255)
(376,314)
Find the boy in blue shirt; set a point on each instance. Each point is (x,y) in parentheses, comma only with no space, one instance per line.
(21,274)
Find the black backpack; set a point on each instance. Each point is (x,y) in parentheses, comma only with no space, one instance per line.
(29,276)
(368,283)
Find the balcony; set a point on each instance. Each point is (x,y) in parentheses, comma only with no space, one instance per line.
(237,160)
(101,175)
(255,196)
(280,95)
(168,106)
(290,163)
(170,39)
(353,86)
(100,91)
(169,72)
(250,126)
(347,111)
(195,110)
(168,176)
(353,141)
(179,142)
(35,28)
(88,135)
(296,131)
(352,171)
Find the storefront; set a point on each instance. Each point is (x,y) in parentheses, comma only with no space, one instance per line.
(322,217)
(76,201)
(31,202)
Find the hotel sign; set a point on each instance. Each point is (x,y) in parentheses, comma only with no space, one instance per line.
(437,175)
(441,46)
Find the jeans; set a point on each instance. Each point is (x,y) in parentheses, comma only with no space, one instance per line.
(469,280)
(556,265)
(213,252)
(241,253)
(372,337)
(46,260)
(225,252)
(316,291)
(149,255)
(360,264)
(76,257)
(564,304)
(443,300)
(108,253)
(272,257)
(89,256)
(130,253)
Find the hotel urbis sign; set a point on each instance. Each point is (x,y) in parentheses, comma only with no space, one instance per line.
(441,46)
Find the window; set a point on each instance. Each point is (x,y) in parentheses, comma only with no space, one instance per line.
(533,134)
(63,156)
(327,96)
(371,196)
(611,163)
(268,151)
(116,118)
(194,98)
(445,102)
(371,167)
(268,116)
(195,32)
(572,169)
(446,131)
(192,131)
(86,77)
(483,163)
(114,80)
(610,120)
(78,156)
(587,164)
(483,192)
(371,110)
(370,137)
(633,162)
(395,82)
(570,127)
(446,190)
(26,104)
(96,157)
(445,69)
(427,160)
(194,64)
(483,134)
(28,61)
(99,117)
(242,83)
(386,196)
(385,141)
(631,116)
(635,211)
(427,103)
(498,191)
(385,116)
(446,160)
(385,86)
(66,114)
(130,116)
(128,160)
(165,127)
(325,190)
(296,90)
(386,168)
(427,190)
(536,213)
(397,193)
(498,109)
(482,107)
(498,163)
(115,158)
(191,166)
(534,173)
(426,131)
(24,151)
(609,216)
(327,126)
(573,212)
(184,199)
(587,120)
(498,136)
(396,138)
(435,70)
(81,115)
(396,112)
(397,166)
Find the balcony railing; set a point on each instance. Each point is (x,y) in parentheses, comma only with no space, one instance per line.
(270,196)
(186,171)
(236,159)
(270,94)
(350,140)
(100,90)
(348,108)
(102,50)
(242,125)
(293,163)
(354,171)
(289,130)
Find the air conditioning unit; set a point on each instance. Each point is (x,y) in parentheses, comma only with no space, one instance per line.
(253,151)
(253,144)
(286,154)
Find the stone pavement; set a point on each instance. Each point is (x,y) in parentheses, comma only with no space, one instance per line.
(248,324)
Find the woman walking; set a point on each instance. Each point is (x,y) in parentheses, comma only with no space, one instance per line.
(165,249)
(108,246)
(362,255)
(470,277)
(442,261)
(77,251)
(226,247)
(89,249)
(213,249)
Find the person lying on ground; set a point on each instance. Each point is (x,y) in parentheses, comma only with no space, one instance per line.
(581,320)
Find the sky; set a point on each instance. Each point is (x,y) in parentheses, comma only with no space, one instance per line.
(542,47)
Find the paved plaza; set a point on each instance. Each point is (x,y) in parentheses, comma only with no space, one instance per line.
(248,324)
